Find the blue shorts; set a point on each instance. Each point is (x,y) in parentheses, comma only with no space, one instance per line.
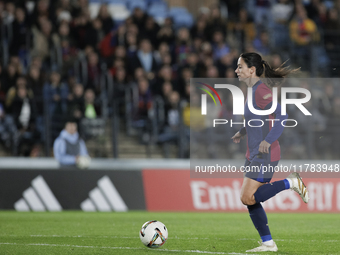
(261,171)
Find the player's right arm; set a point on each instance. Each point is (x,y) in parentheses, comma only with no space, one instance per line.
(240,134)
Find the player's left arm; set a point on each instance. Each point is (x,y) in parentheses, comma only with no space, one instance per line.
(264,101)
(276,130)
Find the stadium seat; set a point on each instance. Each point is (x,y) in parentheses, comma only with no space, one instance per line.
(132,4)
(160,17)
(94,9)
(118,11)
(174,11)
(158,10)
(155,1)
(158,6)
(118,2)
(183,20)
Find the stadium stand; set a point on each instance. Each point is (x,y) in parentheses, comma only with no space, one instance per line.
(56,54)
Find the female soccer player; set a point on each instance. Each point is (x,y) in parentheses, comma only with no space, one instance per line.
(263,149)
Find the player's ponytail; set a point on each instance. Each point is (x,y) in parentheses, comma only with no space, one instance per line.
(265,70)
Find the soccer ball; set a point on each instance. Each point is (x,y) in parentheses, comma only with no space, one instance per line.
(83,162)
(153,234)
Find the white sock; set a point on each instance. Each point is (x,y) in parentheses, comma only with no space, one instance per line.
(290,182)
(269,243)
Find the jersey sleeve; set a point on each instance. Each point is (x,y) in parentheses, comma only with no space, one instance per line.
(277,128)
(263,96)
(243,131)
(264,100)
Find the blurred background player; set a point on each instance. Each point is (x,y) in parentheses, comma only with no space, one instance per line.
(69,149)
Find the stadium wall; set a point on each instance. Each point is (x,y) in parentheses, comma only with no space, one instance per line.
(153,185)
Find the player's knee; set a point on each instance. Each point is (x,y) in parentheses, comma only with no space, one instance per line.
(247,199)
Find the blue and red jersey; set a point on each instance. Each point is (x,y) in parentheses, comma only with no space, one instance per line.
(270,131)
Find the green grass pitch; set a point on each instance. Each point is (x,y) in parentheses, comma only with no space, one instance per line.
(189,233)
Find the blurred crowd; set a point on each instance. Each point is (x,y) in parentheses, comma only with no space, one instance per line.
(57,58)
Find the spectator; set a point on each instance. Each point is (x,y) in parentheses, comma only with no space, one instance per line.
(282,12)
(42,39)
(184,81)
(91,109)
(205,51)
(93,71)
(20,34)
(303,30)
(199,30)
(80,29)
(105,18)
(197,44)
(80,7)
(313,9)
(220,47)
(35,83)
(68,49)
(68,148)
(55,94)
(139,18)
(230,73)
(243,28)
(131,45)
(145,59)
(212,72)
(261,44)
(164,75)
(9,13)
(41,10)
(24,114)
(166,33)
(21,82)
(15,60)
(182,48)
(172,119)
(76,104)
(139,74)
(332,39)
(215,23)
(120,52)
(275,61)
(234,7)
(94,34)
(331,27)
(192,63)
(167,89)
(144,103)
(163,50)
(120,84)
(262,15)
(150,31)
(9,78)
(303,33)
(226,62)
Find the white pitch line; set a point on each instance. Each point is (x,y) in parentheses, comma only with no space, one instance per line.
(292,240)
(175,237)
(123,248)
(118,237)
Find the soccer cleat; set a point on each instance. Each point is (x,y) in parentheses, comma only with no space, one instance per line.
(264,247)
(299,186)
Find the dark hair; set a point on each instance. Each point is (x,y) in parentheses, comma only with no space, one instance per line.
(262,67)
(70,119)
